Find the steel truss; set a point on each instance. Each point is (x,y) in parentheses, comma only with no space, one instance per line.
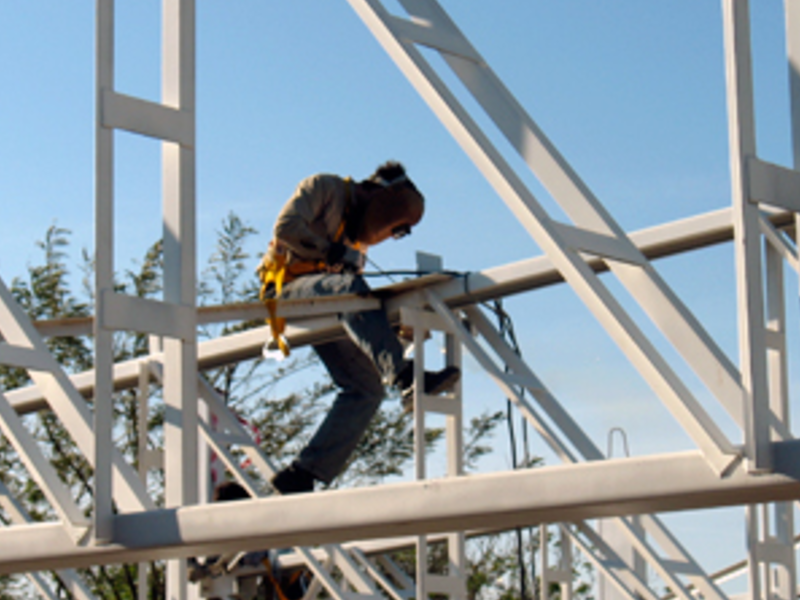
(588,485)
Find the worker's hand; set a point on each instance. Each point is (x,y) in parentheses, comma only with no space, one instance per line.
(352,261)
(344,258)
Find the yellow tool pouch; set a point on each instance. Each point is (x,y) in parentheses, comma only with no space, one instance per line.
(272,273)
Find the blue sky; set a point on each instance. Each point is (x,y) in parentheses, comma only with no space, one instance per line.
(632,94)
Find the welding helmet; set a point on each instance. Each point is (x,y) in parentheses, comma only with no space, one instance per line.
(388,209)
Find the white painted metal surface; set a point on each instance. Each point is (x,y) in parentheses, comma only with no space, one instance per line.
(585,487)
(679,481)
(18,515)
(747,241)
(174,318)
(103,274)
(451,584)
(559,570)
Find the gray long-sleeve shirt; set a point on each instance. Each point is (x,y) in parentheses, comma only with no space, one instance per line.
(308,223)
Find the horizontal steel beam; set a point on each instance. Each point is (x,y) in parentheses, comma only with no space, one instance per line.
(151,119)
(655,242)
(212,353)
(627,486)
(664,240)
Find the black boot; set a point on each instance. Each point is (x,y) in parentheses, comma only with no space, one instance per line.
(436,382)
(294,479)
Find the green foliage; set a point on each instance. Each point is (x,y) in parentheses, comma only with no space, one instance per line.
(481,428)
(227,279)
(493,567)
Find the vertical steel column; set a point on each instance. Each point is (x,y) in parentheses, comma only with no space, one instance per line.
(561,572)
(762,341)
(792,19)
(456,545)
(747,236)
(783,567)
(453,584)
(180,354)
(104,274)
(419,450)
(144,455)
(770,527)
(142,404)
(792,11)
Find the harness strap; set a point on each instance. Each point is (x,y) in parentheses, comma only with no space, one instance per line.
(275,583)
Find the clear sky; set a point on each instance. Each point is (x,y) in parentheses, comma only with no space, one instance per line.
(631,92)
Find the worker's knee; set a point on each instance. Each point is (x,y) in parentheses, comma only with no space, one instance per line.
(355,283)
(373,391)
(337,283)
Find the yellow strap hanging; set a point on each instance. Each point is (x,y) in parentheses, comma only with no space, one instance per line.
(275,583)
(272,272)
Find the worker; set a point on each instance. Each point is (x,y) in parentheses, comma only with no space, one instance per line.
(318,249)
(246,576)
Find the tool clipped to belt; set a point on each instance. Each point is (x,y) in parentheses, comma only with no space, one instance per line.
(272,273)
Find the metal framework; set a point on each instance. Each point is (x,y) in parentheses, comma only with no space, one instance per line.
(323,529)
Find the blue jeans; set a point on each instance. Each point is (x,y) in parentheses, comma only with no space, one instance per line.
(358,365)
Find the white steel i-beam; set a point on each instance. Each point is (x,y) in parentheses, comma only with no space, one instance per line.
(759,252)
(103,273)
(747,238)
(678,481)
(180,352)
(172,122)
(453,583)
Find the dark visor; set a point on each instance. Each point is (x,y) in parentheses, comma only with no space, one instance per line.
(401,231)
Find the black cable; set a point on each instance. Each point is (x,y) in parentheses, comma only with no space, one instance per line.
(380,271)
(506,330)
(463,275)
(410,272)
(508,333)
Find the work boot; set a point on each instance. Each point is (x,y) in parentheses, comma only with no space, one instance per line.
(294,479)
(436,382)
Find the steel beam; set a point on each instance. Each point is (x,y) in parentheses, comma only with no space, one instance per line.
(627,486)
(747,241)
(672,238)
(668,239)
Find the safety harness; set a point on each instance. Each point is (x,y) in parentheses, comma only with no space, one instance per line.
(275,271)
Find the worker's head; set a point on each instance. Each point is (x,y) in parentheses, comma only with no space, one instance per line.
(389,205)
